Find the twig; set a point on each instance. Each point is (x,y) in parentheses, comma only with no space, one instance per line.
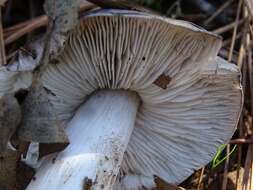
(247,166)
(241,55)
(249,60)
(235,30)
(218,11)
(10,30)
(238,168)
(177,7)
(2,48)
(251,172)
(224,53)
(247,178)
(251,30)
(201,178)
(32,25)
(85,5)
(225,176)
(241,141)
(230,56)
(249,4)
(228,41)
(228,27)
(15,32)
(242,51)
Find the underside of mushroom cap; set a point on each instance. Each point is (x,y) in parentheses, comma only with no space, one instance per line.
(178,129)
(181,128)
(121,51)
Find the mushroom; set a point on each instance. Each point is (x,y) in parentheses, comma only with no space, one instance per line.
(120,122)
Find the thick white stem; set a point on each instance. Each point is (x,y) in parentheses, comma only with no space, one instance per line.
(98,134)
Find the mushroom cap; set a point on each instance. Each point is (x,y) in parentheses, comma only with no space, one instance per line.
(178,129)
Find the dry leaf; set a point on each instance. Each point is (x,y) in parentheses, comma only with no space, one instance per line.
(24,175)
(8,163)
(162,81)
(10,117)
(163,185)
(46,149)
(39,122)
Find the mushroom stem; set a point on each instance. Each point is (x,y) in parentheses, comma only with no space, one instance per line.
(98,133)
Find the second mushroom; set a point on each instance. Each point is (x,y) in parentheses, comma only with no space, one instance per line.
(122,126)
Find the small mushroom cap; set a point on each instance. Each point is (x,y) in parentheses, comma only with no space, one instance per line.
(178,129)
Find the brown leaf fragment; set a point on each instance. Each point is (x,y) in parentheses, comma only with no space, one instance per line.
(8,163)
(162,185)
(162,81)
(87,183)
(24,175)
(49,148)
(23,148)
(39,122)
(10,117)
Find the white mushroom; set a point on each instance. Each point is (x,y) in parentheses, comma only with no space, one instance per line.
(119,122)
